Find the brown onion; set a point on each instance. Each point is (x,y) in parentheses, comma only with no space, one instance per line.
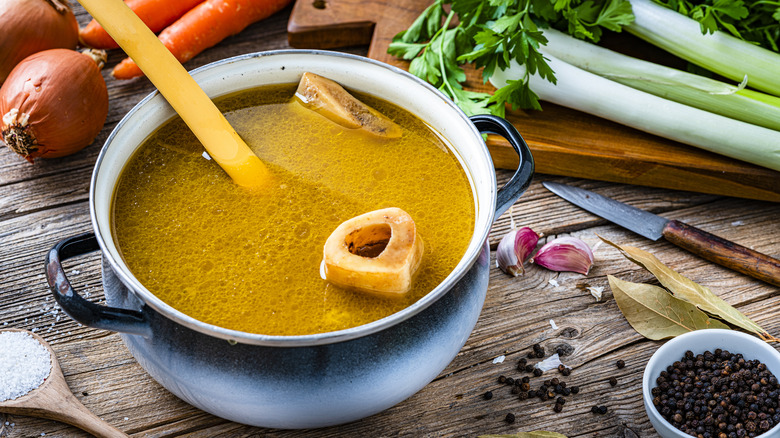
(30,26)
(54,103)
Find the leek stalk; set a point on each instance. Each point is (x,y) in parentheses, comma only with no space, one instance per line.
(584,91)
(718,52)
(690,89)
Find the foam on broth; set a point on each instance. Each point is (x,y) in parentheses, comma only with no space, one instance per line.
(250,261)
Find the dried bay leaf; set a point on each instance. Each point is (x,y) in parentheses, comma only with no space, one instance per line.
(534,434)
(655,313)
(686,289)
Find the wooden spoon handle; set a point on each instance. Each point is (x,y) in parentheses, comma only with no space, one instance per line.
(723,252)
(78,415)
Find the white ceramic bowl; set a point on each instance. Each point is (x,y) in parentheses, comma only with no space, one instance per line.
(698,342)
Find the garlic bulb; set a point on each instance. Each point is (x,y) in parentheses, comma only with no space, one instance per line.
(514,249)
(565,254)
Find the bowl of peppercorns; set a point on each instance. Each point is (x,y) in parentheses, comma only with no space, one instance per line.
(713,383)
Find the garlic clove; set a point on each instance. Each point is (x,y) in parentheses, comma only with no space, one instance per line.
(565,254)
(514,248)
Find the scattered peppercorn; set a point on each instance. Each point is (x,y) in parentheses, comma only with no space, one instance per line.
(509,381)
(510,418)
(575,389)
(523,395)
(525,386)
(594,409)
(521,364)
(560,400)
(558,407)
(488,395)
(718,394)
(525,379)
(560,351)
(529,368)
(620,363)
(612,381)
(602,410)
(502,379)
(537,372)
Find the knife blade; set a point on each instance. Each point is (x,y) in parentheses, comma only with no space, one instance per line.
(688,237)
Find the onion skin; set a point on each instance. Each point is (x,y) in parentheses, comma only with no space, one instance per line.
(54,103)
(31,26)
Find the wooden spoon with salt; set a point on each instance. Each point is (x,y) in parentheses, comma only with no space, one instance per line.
(54,400)
(181,91)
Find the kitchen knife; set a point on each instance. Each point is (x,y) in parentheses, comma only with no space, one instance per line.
(702,243)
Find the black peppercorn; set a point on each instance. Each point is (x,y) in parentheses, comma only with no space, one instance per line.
(529,368)
(523,395)
(510,418)
(525,379)
(488,395)
(620,363)
(509,381)
(718,394)
(602,410)
(612,381)
(537,372)
(558,407)
(575,389)
(502,379)
(595,409)
(560,400)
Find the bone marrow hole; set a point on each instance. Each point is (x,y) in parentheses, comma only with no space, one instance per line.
(369,241)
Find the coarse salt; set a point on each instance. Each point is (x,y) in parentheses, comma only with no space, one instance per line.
(499,359)
(24,364)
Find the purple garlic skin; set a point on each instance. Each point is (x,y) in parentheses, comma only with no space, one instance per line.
(514,249)
(565,254)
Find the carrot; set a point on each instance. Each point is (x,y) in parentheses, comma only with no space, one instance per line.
(204,26)
(156,14)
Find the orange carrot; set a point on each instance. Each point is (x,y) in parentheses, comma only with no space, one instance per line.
(204,26)
(156,14)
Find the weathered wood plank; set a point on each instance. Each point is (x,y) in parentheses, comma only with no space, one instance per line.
(45,202)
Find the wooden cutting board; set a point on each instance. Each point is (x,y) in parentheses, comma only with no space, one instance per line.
(563,141)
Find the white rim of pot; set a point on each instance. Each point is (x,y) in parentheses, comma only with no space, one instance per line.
(483,222)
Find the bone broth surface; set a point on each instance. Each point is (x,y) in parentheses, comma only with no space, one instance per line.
(249,260)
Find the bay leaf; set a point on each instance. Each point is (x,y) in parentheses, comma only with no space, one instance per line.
(534,434)
(686,289)
(655,313)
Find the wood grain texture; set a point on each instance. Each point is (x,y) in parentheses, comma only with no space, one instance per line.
(563,141)
(43,203)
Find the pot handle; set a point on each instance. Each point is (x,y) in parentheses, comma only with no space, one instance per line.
(511,191)
(77,307)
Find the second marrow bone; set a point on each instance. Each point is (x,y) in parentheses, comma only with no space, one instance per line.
(334,102)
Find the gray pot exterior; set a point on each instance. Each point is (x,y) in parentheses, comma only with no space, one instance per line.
(310,386)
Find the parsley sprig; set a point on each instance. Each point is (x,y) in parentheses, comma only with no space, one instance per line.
(757,21)
(489,34)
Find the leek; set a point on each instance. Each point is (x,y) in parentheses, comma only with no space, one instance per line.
(718,52)
(698,91)
(584,91)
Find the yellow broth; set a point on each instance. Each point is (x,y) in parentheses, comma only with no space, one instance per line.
(250,260)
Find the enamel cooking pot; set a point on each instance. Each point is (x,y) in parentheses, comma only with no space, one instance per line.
(295,381)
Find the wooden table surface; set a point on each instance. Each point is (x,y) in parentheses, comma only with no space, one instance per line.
(48,201)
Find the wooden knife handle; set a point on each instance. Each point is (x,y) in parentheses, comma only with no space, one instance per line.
(723,252)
